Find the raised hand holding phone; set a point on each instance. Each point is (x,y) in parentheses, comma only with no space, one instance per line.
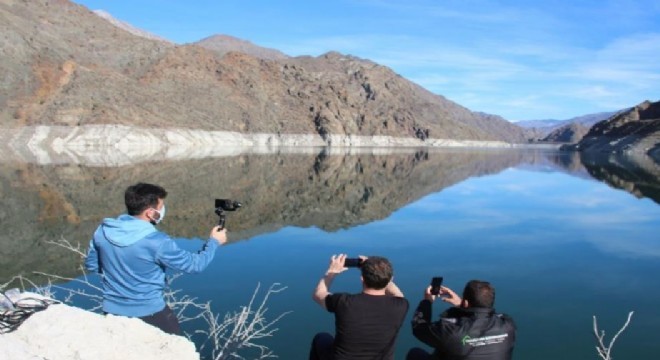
(436,284)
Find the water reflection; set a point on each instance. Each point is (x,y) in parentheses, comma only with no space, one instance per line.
(636,174)
(316,188)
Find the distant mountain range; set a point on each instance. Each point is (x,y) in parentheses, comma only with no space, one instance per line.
(552,130)
(586,120)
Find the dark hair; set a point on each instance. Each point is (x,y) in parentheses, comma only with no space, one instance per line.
(141,196)
(376,272)
(479,294)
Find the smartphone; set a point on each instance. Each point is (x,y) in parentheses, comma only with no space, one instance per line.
(436,283)
(352,262)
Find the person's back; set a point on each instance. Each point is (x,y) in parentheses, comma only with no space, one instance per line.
(366,325)
(474,334)
(133,261)
(471,330)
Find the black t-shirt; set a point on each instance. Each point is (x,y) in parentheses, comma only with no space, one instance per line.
(366,326)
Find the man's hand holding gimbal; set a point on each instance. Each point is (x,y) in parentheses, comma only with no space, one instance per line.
(219,235)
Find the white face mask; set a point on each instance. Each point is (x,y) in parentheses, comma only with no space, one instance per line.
(161,215)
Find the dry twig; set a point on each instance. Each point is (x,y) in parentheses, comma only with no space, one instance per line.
(241,330)
(605,351)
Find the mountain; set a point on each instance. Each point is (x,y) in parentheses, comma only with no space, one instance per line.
(67,66)
(495,124)
(636,130)
(569,133)
(550,128)
(539,124)
(590,120)
(222,44)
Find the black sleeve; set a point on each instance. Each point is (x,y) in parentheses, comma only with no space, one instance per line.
(423,329)
(332,301)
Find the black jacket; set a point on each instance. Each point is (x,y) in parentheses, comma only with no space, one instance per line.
(465,333)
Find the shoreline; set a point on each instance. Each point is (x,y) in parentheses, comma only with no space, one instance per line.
(114,145)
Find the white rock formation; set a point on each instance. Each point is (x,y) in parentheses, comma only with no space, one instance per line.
(117,145)
(62,332)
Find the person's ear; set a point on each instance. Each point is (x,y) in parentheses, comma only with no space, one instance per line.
(465,304)
(150,213)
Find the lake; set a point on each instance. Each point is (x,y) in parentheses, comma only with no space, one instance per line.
(562,237)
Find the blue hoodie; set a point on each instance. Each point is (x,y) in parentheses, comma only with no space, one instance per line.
(132,255)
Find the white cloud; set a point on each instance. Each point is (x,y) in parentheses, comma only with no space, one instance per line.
(640,48)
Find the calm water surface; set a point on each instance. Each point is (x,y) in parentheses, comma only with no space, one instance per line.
(558,245)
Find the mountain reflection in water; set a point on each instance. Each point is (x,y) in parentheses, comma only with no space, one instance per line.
(638,175)
(315,188)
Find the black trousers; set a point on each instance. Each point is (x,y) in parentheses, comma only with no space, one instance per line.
(322,347)
(165,320)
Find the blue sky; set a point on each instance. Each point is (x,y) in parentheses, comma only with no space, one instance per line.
(518,59)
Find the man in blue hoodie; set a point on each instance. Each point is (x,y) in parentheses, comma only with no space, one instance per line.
(132,256)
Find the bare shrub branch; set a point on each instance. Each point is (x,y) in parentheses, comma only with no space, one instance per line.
(241,329)
(605,351)
(66,245)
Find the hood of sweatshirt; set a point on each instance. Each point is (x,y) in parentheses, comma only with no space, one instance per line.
(126,230)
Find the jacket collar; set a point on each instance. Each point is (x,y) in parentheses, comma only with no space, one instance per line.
(479,311)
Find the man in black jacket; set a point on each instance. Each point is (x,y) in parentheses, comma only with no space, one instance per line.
(471,330)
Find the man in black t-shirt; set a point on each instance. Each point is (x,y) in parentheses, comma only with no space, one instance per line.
(366,324)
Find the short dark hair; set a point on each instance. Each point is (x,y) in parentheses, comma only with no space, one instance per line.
(376,272)
(479,294)
(141,196)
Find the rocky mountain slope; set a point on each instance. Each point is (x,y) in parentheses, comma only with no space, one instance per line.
(570,133)
(634,131)
(64,65)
